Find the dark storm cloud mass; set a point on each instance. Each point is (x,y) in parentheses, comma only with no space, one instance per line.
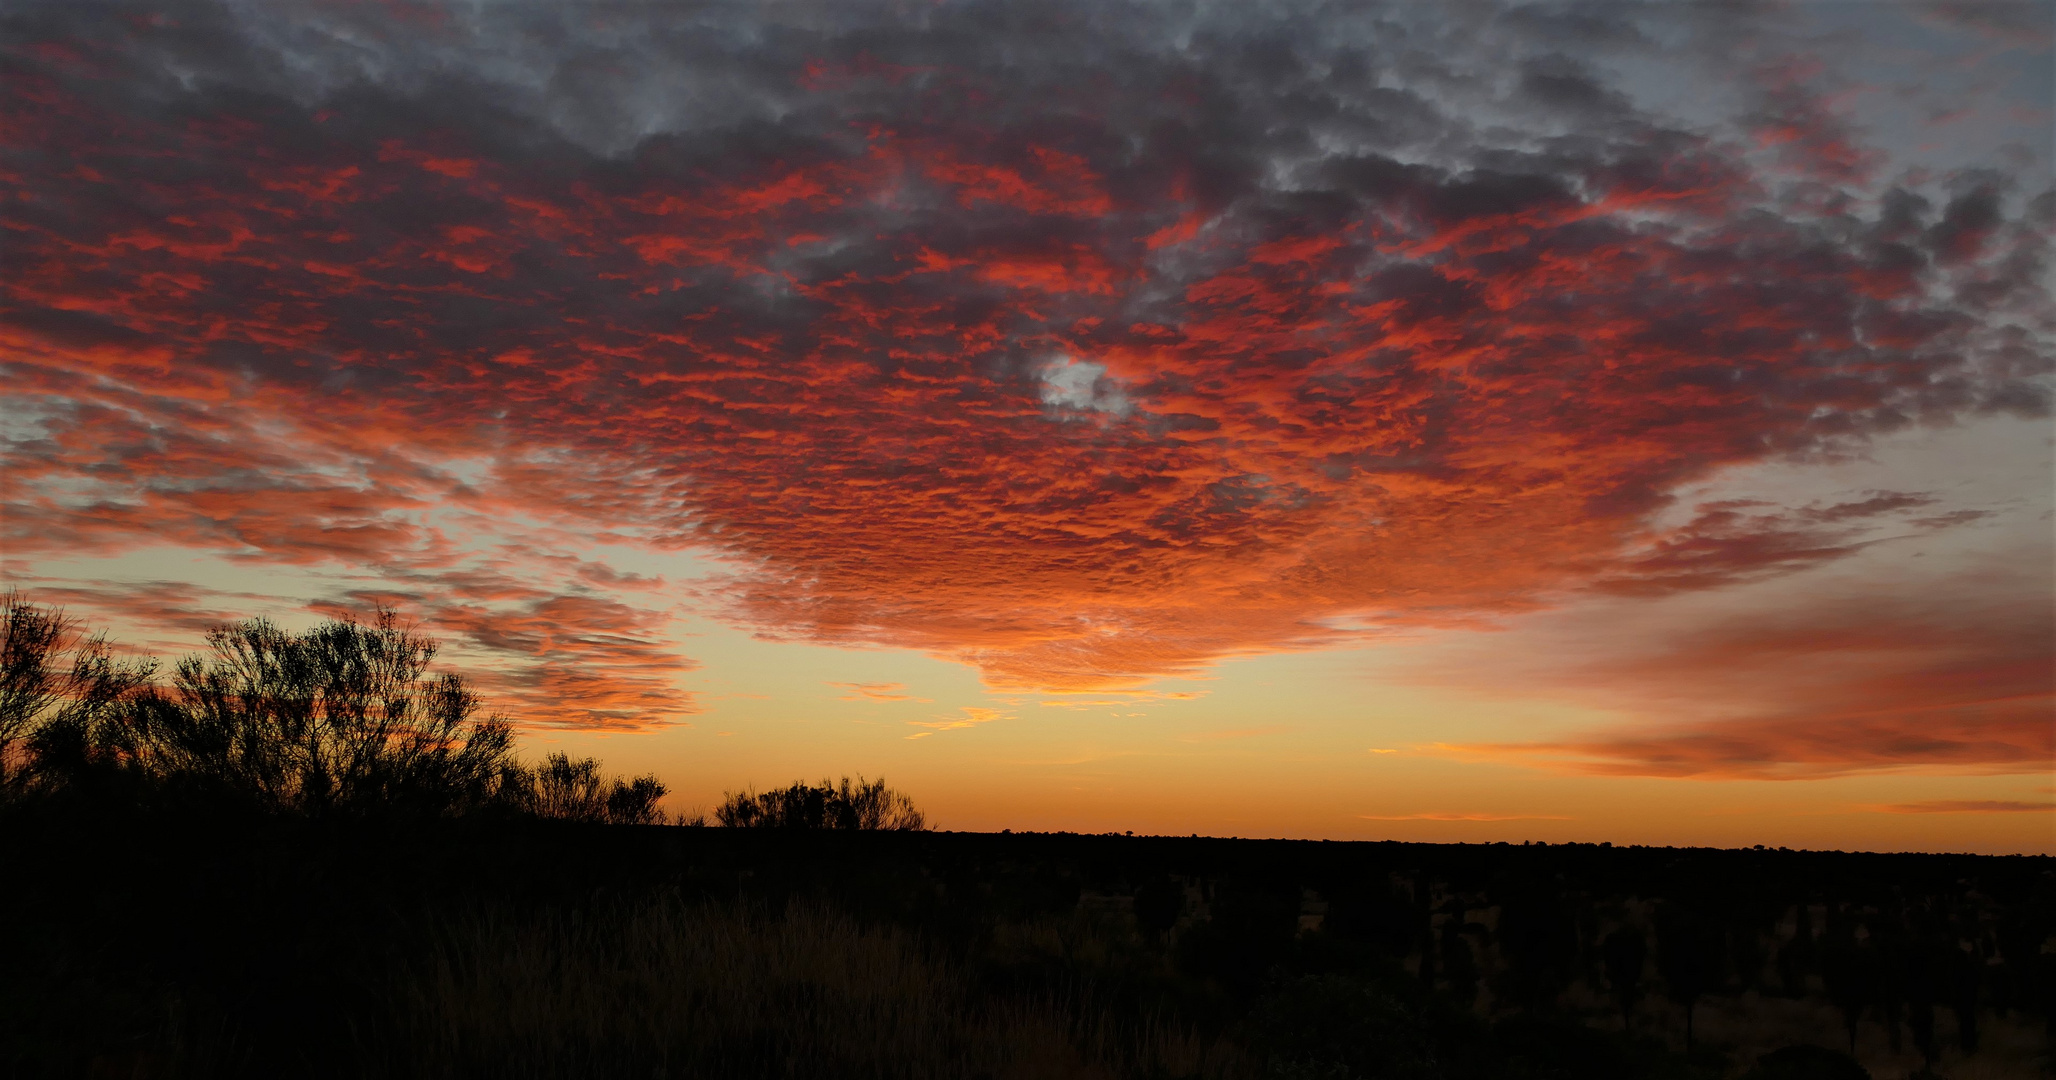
(1084,343)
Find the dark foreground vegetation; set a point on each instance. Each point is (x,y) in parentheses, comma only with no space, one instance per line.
(201,879)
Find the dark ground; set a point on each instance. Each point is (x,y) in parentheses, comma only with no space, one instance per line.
(234,945)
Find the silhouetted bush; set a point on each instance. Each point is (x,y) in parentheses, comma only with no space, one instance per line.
(574,790)
(1539,939)
(344,718)
(827,805)
(62,695)
(1690,947)
(1336,1026)
(1626,950)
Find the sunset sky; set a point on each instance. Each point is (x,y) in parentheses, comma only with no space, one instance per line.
(1433,422)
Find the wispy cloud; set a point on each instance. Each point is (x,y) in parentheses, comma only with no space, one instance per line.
(885,691)
(1964,806)
(968,716)
(1463,817)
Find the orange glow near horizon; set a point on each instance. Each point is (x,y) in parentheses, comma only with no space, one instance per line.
(1255,435)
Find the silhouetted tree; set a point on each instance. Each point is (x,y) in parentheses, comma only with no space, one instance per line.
(1848,971)
(1539,938)
(574,790)
(1419,899)
(1626,951)
(1888,944)
(1796,960)
(345,716)
(1966,971)
(827,805)
(1923,983)
(1459,961)
(1688,956)
(1379,912)
(1746,953)
(2023,978)
(61,695)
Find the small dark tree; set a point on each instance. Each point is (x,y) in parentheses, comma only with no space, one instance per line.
(1459,960)
(1796,960)
(1849,972)
(1539,938)
(1923,976)
(567,789)
(1380,912)
(1688,956)
(864,805)
(1746,953)
(1626,951)
(1966,971)
(1420,900)
(1888,946)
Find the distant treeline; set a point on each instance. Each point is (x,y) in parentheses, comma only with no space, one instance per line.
(343,719)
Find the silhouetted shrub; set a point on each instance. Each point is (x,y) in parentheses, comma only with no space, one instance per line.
(1539,939)
(574,790)
(344,718)
(1690,947)
(1848,971)
(826,805)
(1626,950)
(1336,1026)
(62,695)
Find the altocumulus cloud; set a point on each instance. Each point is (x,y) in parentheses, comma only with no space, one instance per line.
(1358,311)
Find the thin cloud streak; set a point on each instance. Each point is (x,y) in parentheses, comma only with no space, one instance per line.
(1964,806)
(1464,817)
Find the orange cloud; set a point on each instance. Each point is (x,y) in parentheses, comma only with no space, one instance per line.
(889,691)
(968,717)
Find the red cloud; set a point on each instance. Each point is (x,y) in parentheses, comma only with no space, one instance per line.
(819,346)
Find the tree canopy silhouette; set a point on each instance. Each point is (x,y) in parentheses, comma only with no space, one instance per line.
(827,805)
(52,710)
(346,717)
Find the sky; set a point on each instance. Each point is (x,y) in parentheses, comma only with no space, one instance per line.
(1474,422)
